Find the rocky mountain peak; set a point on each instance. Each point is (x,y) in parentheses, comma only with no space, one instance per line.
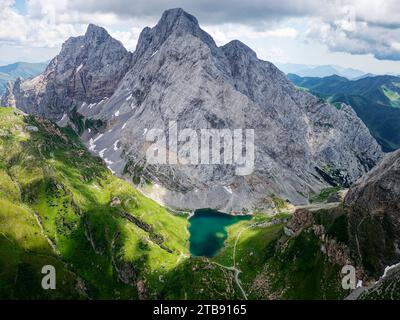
(95,39)
(178,73)
(87,70)
(236,47)
(173,22)
(95,32)
(178,17)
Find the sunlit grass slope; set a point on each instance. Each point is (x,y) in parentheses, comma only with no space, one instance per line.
(101,229)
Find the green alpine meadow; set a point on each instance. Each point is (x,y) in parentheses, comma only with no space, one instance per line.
(62,206)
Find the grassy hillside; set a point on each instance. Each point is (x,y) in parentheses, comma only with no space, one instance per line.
(24,251)
(276,266)
(102,229)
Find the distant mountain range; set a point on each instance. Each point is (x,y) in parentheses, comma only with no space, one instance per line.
(24,70)
(303,70)
(376,101)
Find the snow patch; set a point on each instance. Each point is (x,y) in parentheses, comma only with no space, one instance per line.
(98,137)
(123,127)
(116,114)
(154,54)
(101,153)
(79,68)
(108,161)
(116,145)
(112,171)
(228,189)
(63,117)
(145,130)
(92,146)
(129,98)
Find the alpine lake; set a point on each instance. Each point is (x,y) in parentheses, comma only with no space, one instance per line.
(208,231)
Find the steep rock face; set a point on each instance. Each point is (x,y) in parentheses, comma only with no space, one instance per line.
(374,215)
(8,99)
(87,70)
(386,288)
(179,74)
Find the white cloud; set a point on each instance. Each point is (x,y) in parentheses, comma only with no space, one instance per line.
(358,38)
(48,23)
(359,27)
(12,27)
(128,38)
(228,32)
(275,54)
(37,29)
(352,26)
(282,33)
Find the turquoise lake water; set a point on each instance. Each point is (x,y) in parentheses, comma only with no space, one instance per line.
(208,232)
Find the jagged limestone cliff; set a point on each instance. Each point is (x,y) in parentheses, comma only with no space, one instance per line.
(179,74)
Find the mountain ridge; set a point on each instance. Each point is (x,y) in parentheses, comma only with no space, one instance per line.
(68,79)
(376,100)
(178,73)
(16,70)
(321,70)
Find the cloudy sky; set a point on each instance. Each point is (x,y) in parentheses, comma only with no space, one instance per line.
(362,34)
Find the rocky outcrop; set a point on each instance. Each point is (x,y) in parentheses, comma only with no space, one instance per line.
(304,219)
(301,219)
(386,288)
(125,270)
(179,74)
(337,196)
(9,99)
(87,70)
(156,238)
(374,216)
